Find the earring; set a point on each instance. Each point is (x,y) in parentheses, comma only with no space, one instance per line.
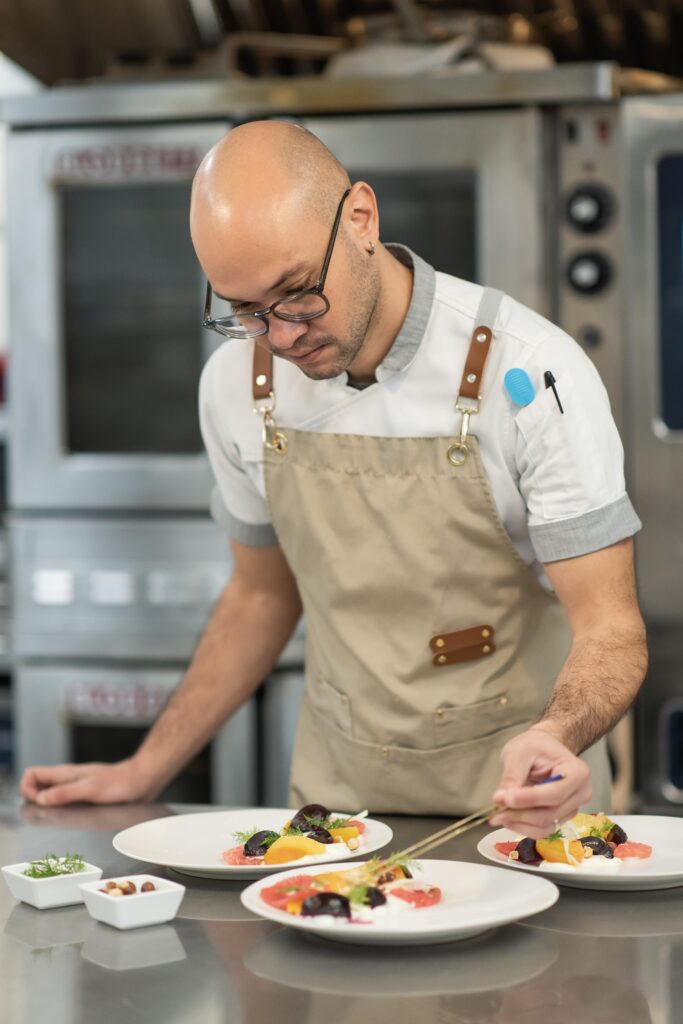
(371,249)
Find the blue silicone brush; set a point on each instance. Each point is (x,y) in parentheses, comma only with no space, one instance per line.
(519,387)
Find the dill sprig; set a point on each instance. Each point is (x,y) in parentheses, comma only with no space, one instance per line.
(557,834)
(378,865)
(51,865)
(244,837)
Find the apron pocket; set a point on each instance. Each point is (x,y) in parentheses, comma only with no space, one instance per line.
(460,723)
(333,705)
(333,768)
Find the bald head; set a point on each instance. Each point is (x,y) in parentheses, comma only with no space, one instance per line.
(258,189)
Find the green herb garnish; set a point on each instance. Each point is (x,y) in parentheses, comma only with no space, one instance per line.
(557,834)
(51,865)
(358,894)
(378,865)
(292,832)
(328,823)
(595,831)
(244,837)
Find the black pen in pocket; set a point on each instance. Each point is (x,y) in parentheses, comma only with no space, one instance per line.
(550,383)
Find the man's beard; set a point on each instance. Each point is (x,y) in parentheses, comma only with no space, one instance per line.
(341,352)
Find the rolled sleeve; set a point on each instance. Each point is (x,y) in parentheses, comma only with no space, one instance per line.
(569,458)
(600,528)
(255,535)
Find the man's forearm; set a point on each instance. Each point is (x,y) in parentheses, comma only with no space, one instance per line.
(597,684)
(244,636)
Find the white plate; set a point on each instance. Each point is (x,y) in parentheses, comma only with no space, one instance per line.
(194,843)
(663,870)
(475,899)
(496,961)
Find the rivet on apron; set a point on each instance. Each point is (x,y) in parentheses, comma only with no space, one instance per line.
(344,699)
(385,751)
(261,379)
(486,649)
(481,337)
(439,713)
(442,659)
(503,700)
(486,632)
(440,642)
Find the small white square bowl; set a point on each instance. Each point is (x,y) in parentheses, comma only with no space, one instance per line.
(138,910)
(45,893)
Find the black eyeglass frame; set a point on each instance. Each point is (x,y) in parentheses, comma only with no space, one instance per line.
(222,324)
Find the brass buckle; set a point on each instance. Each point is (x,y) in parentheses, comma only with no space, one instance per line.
(458,452)
(272,438)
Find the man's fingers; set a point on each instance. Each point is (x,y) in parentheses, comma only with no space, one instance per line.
(538,823)
(547,794)
(39,776)
(68,793)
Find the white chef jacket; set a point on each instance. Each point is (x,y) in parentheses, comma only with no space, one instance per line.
(556,480)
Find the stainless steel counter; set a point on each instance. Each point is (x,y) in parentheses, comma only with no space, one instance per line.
(592,959)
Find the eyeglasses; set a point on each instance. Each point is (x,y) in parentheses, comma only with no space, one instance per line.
(307,304)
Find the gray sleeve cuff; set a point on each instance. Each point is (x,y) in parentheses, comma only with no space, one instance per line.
(255,535)
(569,538)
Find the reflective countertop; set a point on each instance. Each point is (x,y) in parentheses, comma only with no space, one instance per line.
(593,958)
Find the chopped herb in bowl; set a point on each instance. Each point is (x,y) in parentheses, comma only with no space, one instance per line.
(51,865)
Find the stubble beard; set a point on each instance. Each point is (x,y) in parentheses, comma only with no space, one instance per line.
(344,351)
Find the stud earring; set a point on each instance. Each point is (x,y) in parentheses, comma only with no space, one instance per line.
(371,249)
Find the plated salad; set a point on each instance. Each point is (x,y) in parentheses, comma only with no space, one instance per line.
(313,832)
(356,895)
(588,841)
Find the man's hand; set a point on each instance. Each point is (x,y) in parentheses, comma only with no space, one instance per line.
(52,785)
(531,809)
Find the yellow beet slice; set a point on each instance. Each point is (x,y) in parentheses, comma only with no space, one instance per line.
(288,848)
(592,824)
(555,850)
(346,832)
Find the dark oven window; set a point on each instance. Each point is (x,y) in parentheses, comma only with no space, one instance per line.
(670,222)
(132,340)
(432,212)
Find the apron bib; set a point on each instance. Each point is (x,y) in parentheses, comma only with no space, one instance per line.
(430,642)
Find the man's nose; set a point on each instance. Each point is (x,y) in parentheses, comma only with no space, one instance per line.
(283,334)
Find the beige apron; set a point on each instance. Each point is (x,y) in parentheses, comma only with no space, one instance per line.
(430,642)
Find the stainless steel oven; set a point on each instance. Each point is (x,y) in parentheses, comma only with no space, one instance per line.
(93,711)
(105,318)
(653,320)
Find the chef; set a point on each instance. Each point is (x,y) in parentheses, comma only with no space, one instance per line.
(458,536)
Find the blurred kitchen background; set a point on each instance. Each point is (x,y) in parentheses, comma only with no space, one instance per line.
(534,145)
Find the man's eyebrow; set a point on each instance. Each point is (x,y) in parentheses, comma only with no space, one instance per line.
(287,276)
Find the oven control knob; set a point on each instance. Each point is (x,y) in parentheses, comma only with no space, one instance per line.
(589,272)
(589,208)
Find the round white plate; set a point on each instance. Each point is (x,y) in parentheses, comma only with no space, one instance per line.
(484,964)
(663,870)
(475,899)
(194,843)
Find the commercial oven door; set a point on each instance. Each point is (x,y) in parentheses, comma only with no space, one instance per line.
(465,190)
(653,135)
(653,318)
(93,712)
(106,309)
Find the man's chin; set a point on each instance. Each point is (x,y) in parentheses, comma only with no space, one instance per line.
(324,365)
